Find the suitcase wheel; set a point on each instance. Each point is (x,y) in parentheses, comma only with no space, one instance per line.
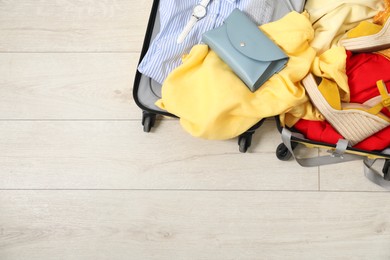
(282,152)
(244,142)
(386,170)
(148,120)
(245,139)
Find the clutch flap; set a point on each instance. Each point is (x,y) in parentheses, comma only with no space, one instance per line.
(248,39)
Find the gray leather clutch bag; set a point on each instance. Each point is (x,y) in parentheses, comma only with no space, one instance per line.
(246,49)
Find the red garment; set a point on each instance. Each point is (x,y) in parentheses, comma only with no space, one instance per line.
(363,71)
(322,131)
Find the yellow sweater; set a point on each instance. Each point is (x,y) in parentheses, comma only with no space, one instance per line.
(213,103)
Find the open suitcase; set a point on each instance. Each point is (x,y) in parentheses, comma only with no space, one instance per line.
(146,91)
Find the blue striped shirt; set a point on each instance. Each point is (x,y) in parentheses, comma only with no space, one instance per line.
(164,53)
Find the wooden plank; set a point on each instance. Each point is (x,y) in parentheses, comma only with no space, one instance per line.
(119,155)
(193,225)
(73,25)
(348,177)
(68,86)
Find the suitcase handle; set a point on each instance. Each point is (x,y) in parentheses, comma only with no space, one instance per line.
(339,156)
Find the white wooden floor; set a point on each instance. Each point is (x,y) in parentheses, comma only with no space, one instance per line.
(80,180)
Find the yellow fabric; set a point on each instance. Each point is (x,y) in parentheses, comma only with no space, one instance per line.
(364,28)
(332,65)
(213,103)
(331,19)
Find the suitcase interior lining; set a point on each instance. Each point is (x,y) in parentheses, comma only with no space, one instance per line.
(149,91)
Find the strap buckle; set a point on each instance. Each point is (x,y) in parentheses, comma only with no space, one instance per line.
(341,148)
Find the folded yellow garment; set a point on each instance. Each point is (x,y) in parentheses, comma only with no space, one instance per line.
(213,103)
(331,19)
(332,65)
